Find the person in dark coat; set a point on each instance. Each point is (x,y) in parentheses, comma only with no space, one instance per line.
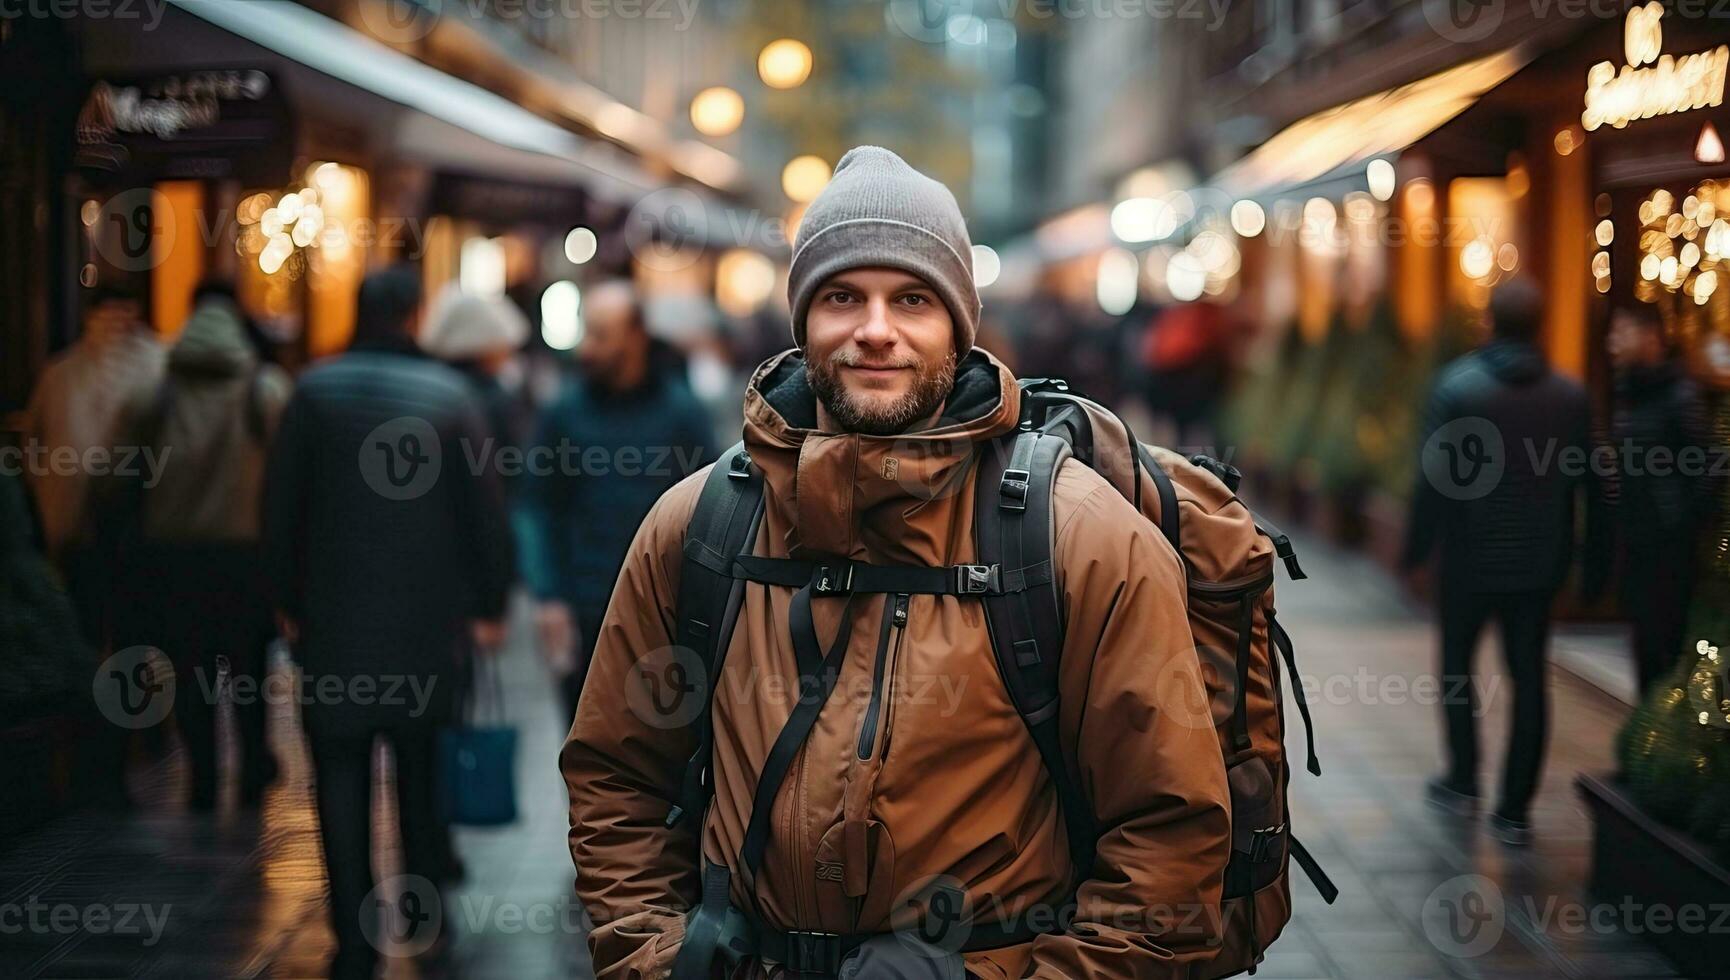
(1660,437)
(618,437)
(1503,460)
(385,549)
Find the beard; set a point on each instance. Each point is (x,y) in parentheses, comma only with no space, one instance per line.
(931,385)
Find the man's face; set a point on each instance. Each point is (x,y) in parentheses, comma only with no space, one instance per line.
(1633,343)
(610,335)
(880,349)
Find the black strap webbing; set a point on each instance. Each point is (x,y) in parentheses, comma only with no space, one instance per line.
(723,525)
(703,927)
(1282,641)
(1324,885)
(1168,516)
(1240,739)
(1012,526)
(817,677)
(841,577)
(1282,546)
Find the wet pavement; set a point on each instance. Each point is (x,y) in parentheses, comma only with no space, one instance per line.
(240,893)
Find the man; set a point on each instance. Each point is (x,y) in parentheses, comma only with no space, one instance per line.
(79,407)
(616,439)
(194,571)
(865,439)
(1502,463)
(383,548)
(1660,434)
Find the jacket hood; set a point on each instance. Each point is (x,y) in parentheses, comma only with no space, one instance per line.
(880,498)
(1513,361)
(213,342)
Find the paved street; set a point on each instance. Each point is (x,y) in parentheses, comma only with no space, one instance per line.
(243,891)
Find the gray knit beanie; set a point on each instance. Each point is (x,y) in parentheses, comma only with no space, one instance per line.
(878,211)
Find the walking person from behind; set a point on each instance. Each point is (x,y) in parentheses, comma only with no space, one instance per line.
(192,577)
(624,431)
(1660,434)
(1501,472)
(828,812)
(385,552)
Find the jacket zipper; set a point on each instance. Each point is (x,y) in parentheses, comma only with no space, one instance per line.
(1233,588)
(892,626)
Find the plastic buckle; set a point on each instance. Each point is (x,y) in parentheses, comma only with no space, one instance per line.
(1014,489)
(740,467)
(814,953)
(832,579)
(1261,841)
(977,579)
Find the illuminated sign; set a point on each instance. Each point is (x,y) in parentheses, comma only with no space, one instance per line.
(1618,97)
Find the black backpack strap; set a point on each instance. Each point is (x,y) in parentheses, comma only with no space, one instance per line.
(1168,522)
(1282,642)
(723,526)
(1012,527)
(1282,546)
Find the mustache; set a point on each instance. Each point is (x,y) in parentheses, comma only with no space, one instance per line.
(849,358)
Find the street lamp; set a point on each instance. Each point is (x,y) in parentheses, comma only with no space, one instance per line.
(784,64)
(717,111)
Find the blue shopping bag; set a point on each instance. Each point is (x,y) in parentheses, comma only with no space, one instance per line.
(478,761)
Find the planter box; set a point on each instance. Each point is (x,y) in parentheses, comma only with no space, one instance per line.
(1637,859)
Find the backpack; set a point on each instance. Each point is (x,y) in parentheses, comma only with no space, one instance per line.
(1228,556)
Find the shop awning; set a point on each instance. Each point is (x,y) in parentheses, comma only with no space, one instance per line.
(1334,142)
(516,140)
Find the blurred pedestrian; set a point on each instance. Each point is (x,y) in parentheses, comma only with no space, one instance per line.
(480,337)
(384,549)
(192,576)
(1183,352)
(76,413)
(621,434)
(1659,423)
(1495,496)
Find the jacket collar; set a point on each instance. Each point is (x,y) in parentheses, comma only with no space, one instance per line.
(891,499)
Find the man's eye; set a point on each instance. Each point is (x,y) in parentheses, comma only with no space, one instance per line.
(914,299)
(840,296)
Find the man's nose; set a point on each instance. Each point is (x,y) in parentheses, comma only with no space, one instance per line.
(876,330)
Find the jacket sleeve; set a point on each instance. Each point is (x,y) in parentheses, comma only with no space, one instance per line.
(625,759)
(546,550)
(1130,683)
(482,518)
(283,515)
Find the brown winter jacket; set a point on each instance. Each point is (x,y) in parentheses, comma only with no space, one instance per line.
(950,784)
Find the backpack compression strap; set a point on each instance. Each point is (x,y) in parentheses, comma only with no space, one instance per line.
(1012,528)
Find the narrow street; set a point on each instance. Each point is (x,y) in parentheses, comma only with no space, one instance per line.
(243,892)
